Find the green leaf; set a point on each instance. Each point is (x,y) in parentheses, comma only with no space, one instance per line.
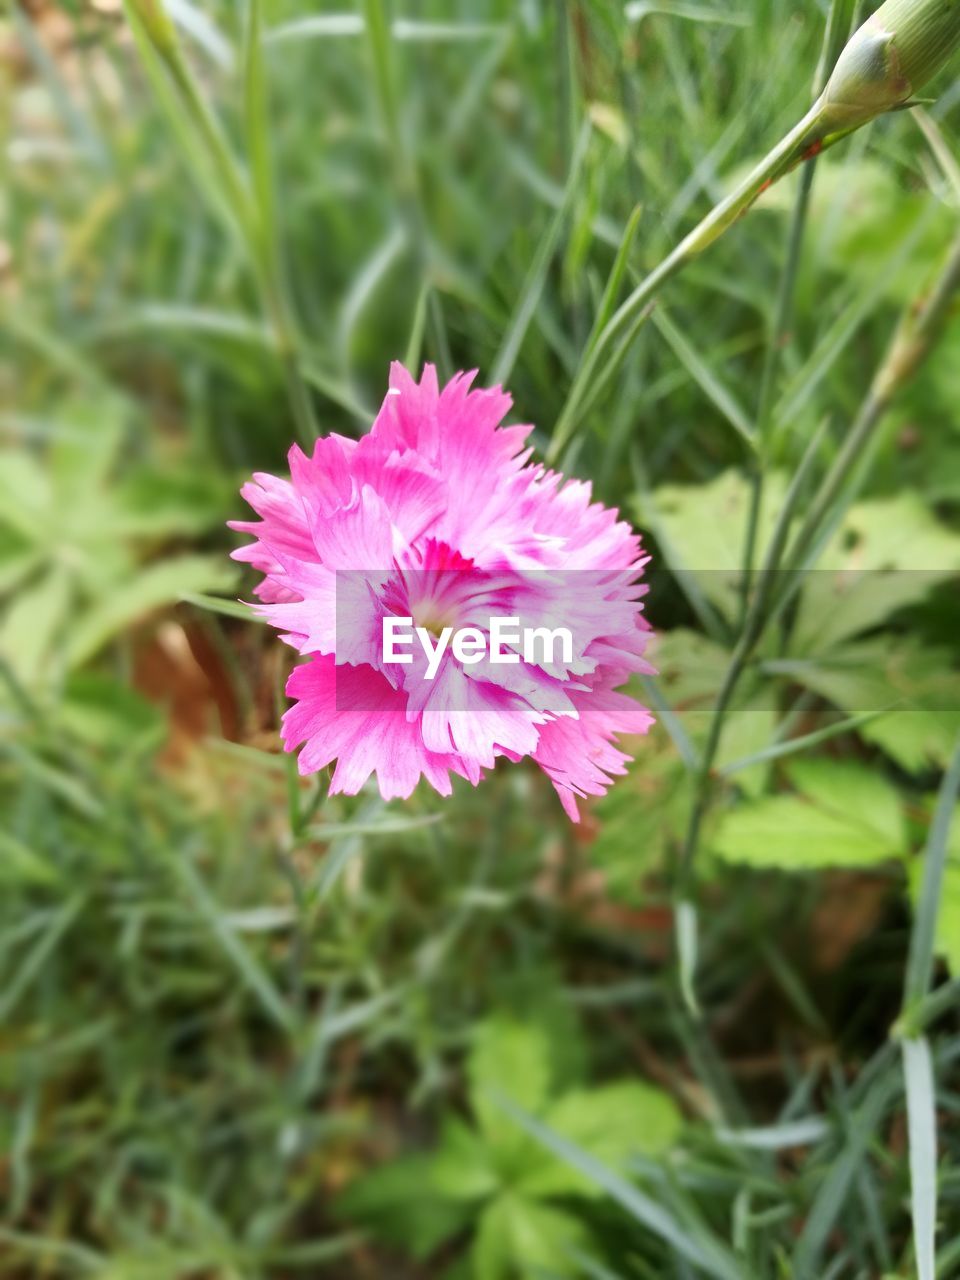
(26,495)
(705,527)
(20,864)
(889,553)
(33,625)
(462,1168)
(855,792)
(85,446)
(512,1058)
(108,714)
(611,1123)
(846,816)
(698,1246)
(156,503)
(396,1200)
(874,674)
(157,585)
(705,378)
(532,288)
(692,669)
(519,1236)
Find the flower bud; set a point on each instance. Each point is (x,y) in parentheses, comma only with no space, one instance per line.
(891,57)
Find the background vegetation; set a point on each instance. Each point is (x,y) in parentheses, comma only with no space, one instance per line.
(249,1032)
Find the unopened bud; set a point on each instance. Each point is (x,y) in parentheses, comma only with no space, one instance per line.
(898,50)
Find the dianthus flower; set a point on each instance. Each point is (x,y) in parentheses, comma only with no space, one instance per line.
(438,517)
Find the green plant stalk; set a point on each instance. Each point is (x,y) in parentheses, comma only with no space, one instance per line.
(405,177)
(914,1046)
(839,21)
(268,249)
(805,140)
(749,637)
(250,218)
(918,332)
(923,936)
(892,56)
(914,339)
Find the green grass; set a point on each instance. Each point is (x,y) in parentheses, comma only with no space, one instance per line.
(240,1022)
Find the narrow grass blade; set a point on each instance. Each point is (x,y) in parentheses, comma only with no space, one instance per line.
(922,1131)
(256,120)
(636,10)
(777,1137)
(327,25)
(923,937)
(705,378)
(251,973)
(687,947)
(36,957)
(671,722)
(202,146)
(611,291)
(390,825)
(532,288)
(345,848)
(414,352)
(710,1255)
(836,1186)
(215,604)
(185,321)
(777,750)
(203,30)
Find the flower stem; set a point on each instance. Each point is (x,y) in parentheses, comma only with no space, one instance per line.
(836,31)
(805,139)
(916,335)
(247,211)
(405,177)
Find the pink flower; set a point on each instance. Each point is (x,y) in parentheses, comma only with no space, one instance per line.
(438,516)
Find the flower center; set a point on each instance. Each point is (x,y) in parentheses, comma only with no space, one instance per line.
(433,616)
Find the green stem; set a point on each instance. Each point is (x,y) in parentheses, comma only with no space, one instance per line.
(916,335)
(915,338)
(753,627)
(923,937)
(250,218)
(805,139)
(836,31)
(406,181)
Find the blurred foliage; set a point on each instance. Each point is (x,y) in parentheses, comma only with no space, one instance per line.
(246,1031)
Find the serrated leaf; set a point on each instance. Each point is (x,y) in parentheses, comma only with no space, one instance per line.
(889,554)
(816,828)
(855,792)
(513,1058)
(396,1200)
(462,1168)
(705,525)
(611,1123)
(521,1237)
(876,674)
